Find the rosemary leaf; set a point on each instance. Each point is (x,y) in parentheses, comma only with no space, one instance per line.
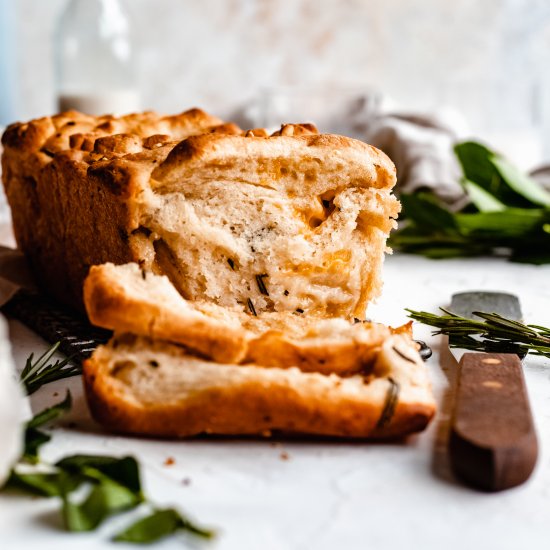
(493,333)
(261,285)
(251,307)
(392,397)
(42,371)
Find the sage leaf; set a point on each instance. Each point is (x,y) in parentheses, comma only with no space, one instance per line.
(158,525)
(106,498)
(483,200)
(424,210)
(482,166)
(44,484)
(124,471)
(520,182)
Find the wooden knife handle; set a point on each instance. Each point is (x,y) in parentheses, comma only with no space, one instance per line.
(493,444)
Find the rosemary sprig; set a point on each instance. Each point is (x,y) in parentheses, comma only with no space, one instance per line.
(42,371)
(492,333)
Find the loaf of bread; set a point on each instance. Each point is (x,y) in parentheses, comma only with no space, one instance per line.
(292,222)
(150,387)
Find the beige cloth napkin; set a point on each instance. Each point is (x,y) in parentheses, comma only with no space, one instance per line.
(421,148)
(14,273)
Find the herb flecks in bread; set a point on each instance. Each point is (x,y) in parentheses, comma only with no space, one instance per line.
(193,367)
(121,298)
(185,395)
(205,203)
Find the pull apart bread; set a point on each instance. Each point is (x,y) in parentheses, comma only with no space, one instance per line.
(230,265)
(180,368)
(295,221)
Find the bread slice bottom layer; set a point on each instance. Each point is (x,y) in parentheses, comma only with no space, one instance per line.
(142,386)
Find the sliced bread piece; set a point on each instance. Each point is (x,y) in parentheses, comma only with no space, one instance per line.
(140,386)
(125,298)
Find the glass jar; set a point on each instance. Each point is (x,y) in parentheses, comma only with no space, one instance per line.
(96,72)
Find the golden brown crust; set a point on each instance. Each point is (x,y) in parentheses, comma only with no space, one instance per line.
(68,211)
(311,211)
(110,303)
(124,383)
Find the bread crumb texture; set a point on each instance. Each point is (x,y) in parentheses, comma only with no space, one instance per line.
(144,386)
(294,221)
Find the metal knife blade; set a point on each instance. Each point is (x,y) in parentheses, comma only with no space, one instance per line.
(465,303)
(493,444)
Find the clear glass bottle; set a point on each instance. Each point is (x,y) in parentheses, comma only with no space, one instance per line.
(95,62)
(8,69)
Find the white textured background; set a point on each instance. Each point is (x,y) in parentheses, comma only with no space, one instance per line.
(486,58)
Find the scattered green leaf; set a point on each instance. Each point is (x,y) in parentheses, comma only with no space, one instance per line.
(482,199)
(35,438)
(124,470)
(158,525)
(106,498)
(520,182)
(508,214)
(113,486)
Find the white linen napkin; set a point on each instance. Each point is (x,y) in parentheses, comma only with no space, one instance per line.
(13,407)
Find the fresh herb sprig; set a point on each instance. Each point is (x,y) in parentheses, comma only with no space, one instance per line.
(492,333)
(43,371)
(35,438)
(508,213)
(114,486)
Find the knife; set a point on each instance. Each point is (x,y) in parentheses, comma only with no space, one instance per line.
(493,443)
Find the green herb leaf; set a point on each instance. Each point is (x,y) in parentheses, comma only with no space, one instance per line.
(483,200)
(505,224)
(51,413)
(35,438)
(424,210)
(107,497)
(158,525)
(521,183)
(124,470)
(478,166)
(35,374)
(474,159)
(116,487)
(44,484)
(492,333)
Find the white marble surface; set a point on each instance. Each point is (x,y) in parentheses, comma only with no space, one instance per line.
(324,496)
